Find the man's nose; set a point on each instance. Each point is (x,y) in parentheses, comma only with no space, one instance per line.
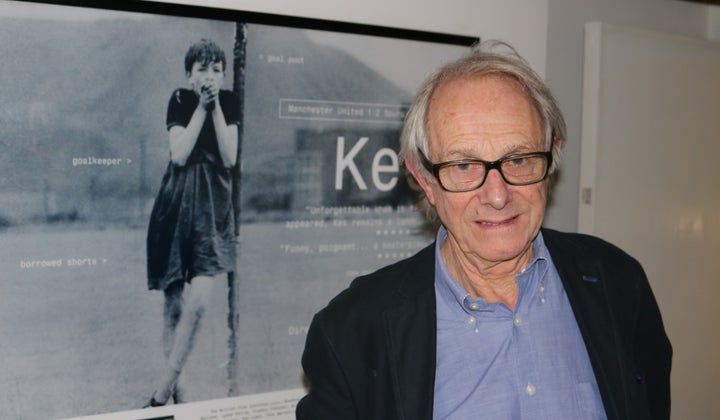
(495,191)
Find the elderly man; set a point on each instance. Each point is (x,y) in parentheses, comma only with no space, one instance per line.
(499,318)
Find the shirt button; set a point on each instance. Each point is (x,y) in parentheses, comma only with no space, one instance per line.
(530,389)
(471,320)
(474,306)
(517,321)
(542,288)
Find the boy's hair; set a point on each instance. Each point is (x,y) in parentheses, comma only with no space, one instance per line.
(204,51)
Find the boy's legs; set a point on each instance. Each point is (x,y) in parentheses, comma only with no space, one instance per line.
(197,298)
(171,315)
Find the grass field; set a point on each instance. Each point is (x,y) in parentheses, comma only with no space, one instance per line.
(85,339)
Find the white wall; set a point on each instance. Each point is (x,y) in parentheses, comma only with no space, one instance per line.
(629,120)
(713,30)
(565,44)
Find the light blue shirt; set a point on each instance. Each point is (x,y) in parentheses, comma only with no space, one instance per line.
(495,363)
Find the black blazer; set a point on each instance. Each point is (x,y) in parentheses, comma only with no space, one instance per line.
(370,354)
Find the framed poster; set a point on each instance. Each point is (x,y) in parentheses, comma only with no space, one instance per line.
(318,197)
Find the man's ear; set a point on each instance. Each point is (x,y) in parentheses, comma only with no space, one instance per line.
(419,176)
(558,143)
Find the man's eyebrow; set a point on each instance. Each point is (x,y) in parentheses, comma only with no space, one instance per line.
(508,150)
(520,148)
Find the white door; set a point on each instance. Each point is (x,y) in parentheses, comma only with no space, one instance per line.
(650,183)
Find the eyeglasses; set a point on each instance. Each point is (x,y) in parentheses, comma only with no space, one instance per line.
(470,174)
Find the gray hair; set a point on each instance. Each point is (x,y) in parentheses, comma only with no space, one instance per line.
(488,58)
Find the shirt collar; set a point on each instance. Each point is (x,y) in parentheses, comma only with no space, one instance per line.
(450,290)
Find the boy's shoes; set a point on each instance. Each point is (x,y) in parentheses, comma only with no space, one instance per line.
(153,403)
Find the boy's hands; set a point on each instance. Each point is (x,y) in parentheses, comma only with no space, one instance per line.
(208,96)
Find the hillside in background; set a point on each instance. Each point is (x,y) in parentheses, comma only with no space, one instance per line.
(80,89)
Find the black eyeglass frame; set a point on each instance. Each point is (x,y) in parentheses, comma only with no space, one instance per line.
(434,168)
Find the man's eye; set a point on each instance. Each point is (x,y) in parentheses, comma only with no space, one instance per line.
(518,161)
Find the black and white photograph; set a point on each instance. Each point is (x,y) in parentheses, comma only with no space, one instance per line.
(181,189)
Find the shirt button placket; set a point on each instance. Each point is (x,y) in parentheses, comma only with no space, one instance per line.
(472,321)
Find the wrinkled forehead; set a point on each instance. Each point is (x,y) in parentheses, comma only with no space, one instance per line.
(482,105)
(478,88)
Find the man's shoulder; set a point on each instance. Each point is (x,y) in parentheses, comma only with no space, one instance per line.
(570,243)
(577,252)
(402,279)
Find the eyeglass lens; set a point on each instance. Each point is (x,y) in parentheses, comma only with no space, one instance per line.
(515,170)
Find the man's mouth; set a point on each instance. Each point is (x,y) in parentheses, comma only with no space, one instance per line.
(495,223)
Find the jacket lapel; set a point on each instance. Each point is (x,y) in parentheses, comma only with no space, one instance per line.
(410,329)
